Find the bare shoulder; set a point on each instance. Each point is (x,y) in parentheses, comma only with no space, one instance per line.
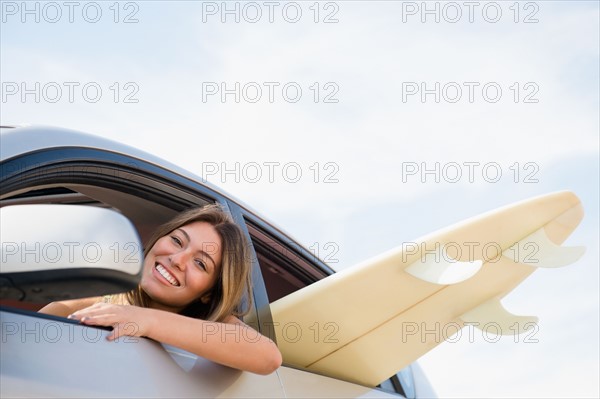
(65,308)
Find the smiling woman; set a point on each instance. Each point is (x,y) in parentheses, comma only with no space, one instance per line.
(196,276)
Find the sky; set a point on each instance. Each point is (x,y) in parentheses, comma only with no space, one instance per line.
(355,126)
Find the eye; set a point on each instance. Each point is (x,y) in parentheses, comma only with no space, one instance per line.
(176,240)
(200,263)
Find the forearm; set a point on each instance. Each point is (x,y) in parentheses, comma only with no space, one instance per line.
(233,344)
(65,308)
(56,309)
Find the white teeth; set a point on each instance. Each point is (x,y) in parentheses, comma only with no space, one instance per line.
(168,276)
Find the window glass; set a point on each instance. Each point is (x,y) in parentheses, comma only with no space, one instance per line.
(387,386)
(283,268)
(406,382)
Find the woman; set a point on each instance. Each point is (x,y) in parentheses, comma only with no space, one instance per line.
(195,275)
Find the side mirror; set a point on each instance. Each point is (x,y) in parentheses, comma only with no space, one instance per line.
(58,252)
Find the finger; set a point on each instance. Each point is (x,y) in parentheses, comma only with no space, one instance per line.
(91,311)
(116,332)
(98,320)
(112,336)
(88,320)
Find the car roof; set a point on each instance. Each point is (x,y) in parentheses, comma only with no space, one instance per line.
(21,140)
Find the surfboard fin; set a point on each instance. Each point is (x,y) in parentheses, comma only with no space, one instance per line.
(440,268)
(539,251)
(491,316)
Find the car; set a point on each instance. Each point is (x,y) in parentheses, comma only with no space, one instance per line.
(107,185)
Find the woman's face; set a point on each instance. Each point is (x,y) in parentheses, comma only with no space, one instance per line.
(182,266)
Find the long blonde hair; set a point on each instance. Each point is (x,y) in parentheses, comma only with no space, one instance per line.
(234,281)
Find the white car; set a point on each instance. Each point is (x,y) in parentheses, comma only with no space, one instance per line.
(47,356)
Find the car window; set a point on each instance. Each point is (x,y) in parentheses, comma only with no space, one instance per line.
(285,266)
(402,383)
(144,196)
(387,386)
(144,214)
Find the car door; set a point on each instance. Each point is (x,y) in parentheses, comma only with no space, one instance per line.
(48,356)
(43,356)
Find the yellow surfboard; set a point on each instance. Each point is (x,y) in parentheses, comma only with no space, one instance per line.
(367,322)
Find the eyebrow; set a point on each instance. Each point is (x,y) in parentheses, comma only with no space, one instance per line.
(187,237)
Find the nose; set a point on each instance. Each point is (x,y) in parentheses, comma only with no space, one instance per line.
(178,260)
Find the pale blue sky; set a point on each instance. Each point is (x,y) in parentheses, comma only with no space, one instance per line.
(369,135)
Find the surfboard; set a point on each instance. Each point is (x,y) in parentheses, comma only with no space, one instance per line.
(367,322)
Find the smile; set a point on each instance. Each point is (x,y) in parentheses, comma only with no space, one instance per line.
(168,276)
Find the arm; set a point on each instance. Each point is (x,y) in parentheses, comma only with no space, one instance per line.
(231,343)
(65,308)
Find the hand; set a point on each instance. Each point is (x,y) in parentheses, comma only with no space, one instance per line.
(126,320)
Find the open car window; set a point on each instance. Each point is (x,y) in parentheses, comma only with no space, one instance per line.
(286,267)
(142,195)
